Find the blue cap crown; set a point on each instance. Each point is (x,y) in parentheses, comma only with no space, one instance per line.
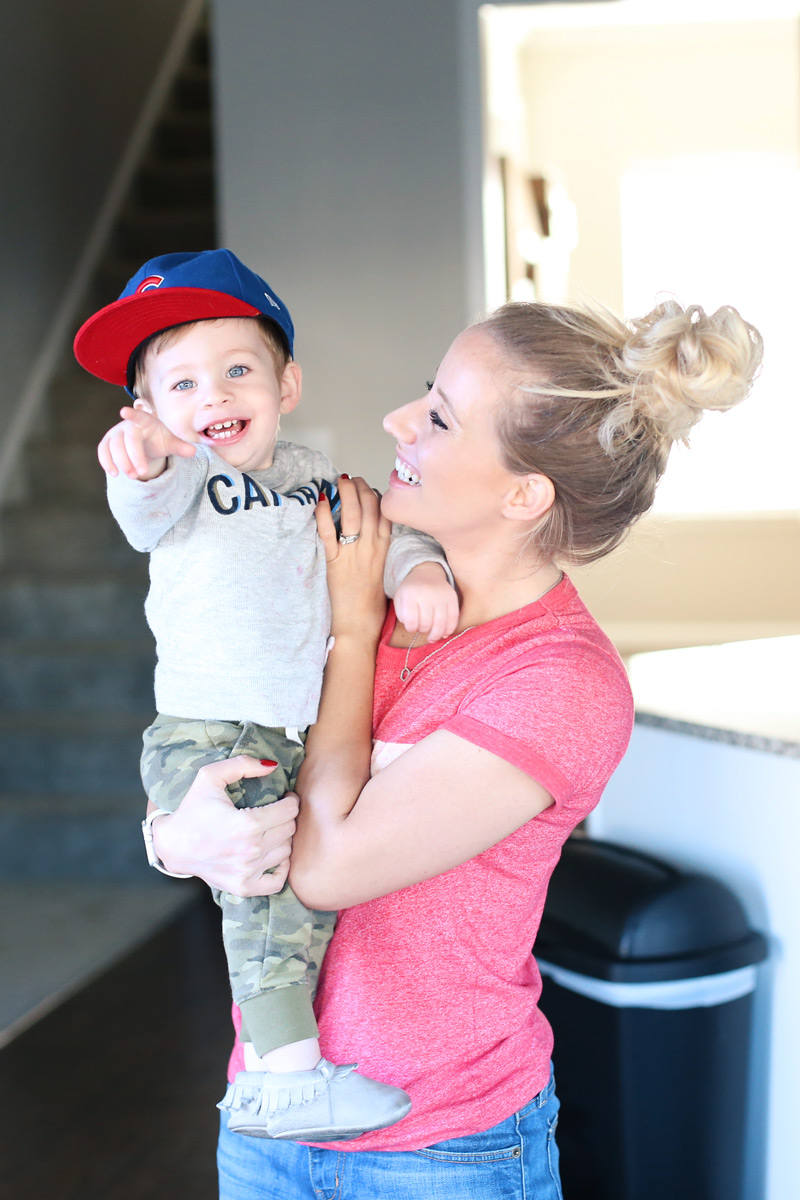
(174,289)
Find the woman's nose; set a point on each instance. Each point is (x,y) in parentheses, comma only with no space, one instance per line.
(400,423)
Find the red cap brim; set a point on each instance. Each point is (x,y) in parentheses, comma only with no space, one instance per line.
(104,344)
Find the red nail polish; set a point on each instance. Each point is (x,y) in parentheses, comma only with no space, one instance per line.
(267,762)
(343,475)
(323,500)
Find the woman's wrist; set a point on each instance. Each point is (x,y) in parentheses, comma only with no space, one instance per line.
(154,817)
(164,847)
(356,643)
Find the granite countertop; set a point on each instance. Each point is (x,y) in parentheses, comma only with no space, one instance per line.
(742,693)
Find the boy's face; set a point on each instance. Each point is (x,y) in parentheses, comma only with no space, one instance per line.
(217,384)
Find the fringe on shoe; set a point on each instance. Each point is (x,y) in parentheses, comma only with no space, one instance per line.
(257,1092)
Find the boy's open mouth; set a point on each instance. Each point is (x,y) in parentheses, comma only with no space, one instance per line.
(221,430)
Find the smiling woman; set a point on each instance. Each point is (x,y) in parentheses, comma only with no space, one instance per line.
(441,781)
(441,444)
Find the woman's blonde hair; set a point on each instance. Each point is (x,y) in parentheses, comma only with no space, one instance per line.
(597,404)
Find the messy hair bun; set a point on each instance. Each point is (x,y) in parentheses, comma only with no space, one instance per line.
(596,404)
(683,362)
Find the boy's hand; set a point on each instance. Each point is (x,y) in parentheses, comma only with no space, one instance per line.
(140,445)
(425,602)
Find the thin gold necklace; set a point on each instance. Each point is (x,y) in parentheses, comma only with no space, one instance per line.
(408,671)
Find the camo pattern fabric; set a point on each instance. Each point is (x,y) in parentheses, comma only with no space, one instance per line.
(271,942)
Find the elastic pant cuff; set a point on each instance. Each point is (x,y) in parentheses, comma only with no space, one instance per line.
(278,1017)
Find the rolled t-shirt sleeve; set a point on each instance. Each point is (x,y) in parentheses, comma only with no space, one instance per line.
(563,717)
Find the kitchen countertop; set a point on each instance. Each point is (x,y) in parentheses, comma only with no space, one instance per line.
(742,693)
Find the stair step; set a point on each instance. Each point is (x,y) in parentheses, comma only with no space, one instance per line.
(191,91)
(200,47)
(163,183)
(69,470)
(146,232)
(46,675)
(82,605)
(74,836)
(111,277)
(81,408)
(61,538)
(184,135)
(64,753)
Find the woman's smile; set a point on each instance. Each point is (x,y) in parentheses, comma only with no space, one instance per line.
(405,473)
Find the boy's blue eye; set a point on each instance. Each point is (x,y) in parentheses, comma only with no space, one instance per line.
(184,385)
(236,372)
(436,419)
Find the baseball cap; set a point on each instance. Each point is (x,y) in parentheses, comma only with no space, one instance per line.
(174,289)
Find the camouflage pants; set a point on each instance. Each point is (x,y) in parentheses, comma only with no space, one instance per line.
(274,944)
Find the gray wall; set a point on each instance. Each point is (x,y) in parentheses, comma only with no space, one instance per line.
(73,77)
(342,181)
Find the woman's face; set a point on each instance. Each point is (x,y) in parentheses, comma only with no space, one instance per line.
(449,478)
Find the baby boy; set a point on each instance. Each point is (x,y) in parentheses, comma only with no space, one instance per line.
(239,608)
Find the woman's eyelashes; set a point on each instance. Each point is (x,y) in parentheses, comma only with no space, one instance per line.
(436,419)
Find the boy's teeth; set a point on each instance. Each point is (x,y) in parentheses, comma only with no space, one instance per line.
(404,472)
(223,429)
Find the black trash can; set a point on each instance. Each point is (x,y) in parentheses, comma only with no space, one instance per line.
(648,977)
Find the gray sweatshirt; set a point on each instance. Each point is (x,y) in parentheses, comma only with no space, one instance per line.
(238,601)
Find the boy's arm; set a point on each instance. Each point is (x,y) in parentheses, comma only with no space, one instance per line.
(418,577)
(152,475)
(407,550)
(146,509)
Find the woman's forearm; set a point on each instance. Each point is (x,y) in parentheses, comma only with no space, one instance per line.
(338,750)
(339,744)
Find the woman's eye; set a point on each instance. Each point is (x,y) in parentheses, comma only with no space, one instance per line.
(184,385)
(236,372)
(436,419)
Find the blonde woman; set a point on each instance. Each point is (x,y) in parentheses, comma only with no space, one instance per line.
(441,783)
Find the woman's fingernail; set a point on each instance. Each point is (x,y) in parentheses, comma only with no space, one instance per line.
(343,475)
(267,762)
(323,500)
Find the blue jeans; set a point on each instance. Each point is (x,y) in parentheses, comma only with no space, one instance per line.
(515,1160)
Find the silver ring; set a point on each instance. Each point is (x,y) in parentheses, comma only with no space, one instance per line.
(346,539)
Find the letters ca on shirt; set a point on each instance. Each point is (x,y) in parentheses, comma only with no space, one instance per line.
(229,495)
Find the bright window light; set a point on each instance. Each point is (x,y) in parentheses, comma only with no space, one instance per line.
(715,230)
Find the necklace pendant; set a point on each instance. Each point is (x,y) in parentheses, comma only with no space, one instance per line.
(404,674)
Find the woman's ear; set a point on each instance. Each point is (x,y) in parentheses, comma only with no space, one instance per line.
(291,386)
(530,498)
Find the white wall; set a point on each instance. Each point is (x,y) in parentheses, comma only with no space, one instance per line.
(341,181)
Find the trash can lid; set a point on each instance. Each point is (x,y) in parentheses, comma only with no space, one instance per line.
(615,913)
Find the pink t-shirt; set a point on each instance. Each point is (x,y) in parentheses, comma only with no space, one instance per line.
(434,988)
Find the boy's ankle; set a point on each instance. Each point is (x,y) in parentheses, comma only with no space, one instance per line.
(296,1056)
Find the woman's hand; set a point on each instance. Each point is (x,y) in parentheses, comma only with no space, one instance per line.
(228,847)
(355,570)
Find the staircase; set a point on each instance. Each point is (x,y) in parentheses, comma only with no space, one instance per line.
(76,657)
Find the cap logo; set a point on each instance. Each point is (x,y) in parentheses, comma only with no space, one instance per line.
(152,281)
(272,302)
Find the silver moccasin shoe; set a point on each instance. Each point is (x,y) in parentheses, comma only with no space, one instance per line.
(327,1104)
